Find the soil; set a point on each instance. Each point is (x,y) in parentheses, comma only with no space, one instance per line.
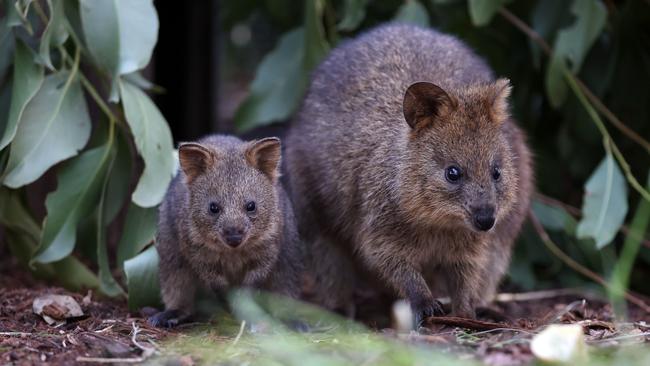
(500,335)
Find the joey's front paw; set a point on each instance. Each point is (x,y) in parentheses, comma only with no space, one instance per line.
(166,319)
(425,310)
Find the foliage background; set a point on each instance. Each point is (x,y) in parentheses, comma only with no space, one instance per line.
(112,155)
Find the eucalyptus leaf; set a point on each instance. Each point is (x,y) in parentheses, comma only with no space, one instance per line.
(605,203)
(7,45)
(354,11)
(54,126)
(22,235)
(107,283)
(142,279)
(278,87)
(79,186)
(55,33)
(553,217)
(120,179)
(5,102)
(283,74)
(621,274)
(482,11)
(316,46)
(120,34)
(572,45)
(27,79)
(413,12)
(74,275)
(139,230)
(153,140)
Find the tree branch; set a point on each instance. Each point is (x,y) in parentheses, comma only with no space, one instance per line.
(598,104)
(553,248)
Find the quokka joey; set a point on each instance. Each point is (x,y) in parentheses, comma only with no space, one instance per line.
(226,222)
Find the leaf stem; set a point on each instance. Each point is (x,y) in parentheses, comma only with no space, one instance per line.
(608,143)
(621,274)
(598,104)
(575,212)
(553,248)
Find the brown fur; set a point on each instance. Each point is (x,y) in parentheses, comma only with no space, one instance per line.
(191,239)
(384,117)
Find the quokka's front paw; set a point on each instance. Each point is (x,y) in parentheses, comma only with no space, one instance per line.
(166,319)
(425,310)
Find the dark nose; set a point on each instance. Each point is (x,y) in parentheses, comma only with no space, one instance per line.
(233,236)
(484,218)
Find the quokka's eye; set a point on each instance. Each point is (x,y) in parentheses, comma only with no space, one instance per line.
(214,208)
(251,207)
(453,174)
(496,173)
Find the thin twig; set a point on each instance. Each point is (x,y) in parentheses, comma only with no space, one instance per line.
(598,104)
(146,351)
(626,336)
(536,295)
(576,212)
(14,334)
(553,248)
(241,331)
(109,360)
(455,321)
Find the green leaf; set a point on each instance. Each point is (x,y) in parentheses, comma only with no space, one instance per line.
(554,218)
(605,203)
(107,283)
(282,77)
(78,189)
(28,78)
(5,103)
(120,179)
(353,13)
(74,275)
(14,215)
(142,279)
(153,139)
(482,11)
(120,34)
(54,126)
(278,86)
(572,44)
(316,46)
(621,273)
(7,45)
(22,235)
(413,12)
(139,230)
(55,33)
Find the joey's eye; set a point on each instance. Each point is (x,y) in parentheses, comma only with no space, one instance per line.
(214,208)
(251,207)
(453,174)
(496,173)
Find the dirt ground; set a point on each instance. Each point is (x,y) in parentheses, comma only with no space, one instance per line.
(108,332)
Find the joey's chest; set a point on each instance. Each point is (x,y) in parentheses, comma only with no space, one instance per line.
(233,269)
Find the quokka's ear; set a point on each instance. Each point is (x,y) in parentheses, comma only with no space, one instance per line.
(424,102)
(499,100)
(265,155)
(194,159)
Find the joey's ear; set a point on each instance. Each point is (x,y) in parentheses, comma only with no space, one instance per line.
(195,159)
(424,102)
(499,100)
(265,155)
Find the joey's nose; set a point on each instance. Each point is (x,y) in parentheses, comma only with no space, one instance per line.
(484,218)
(233,236)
